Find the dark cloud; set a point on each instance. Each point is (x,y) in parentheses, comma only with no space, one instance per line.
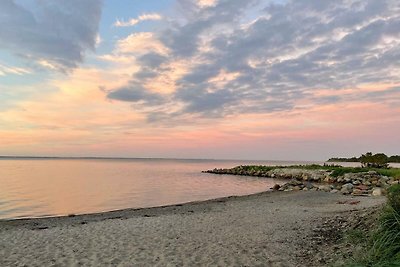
(57,31)
(135,93)
(152,60)
(281,52)
(200,101)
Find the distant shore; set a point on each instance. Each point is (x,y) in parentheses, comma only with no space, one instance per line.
(270,228)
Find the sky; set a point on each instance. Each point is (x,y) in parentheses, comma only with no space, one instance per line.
(218,79)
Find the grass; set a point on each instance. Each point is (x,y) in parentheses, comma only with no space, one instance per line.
(383,248)
(356,236)
(392,172)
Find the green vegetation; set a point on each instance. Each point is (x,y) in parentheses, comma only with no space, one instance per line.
(382,244)
(395,159)
(352,159)
(378,160)
(391,172)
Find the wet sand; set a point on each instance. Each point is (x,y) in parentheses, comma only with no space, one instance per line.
(266,229)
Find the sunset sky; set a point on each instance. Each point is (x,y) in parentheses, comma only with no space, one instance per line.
(236,79)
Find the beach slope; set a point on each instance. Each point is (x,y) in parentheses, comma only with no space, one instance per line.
(267,229)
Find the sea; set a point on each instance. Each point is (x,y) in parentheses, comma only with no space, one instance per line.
(33,187)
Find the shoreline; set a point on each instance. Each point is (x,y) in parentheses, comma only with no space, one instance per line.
(271,228)
(112,214)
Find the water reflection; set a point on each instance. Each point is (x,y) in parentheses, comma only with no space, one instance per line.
(31,188)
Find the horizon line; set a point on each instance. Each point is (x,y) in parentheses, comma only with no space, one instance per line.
(143,158)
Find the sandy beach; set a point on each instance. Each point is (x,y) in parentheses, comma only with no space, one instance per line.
(266,229)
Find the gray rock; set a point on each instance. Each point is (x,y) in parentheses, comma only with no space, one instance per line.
(326,188)
(347,188)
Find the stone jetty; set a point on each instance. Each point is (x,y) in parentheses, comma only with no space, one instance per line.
(367,183)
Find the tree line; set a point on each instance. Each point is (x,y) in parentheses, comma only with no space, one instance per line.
(379,160)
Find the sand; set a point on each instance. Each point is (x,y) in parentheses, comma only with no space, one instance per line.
(267,229)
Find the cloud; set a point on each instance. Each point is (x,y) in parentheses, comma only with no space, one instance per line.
(133,22)
(135,93)
(275,57)
(206,3)
(4,70)
(57,32)
(141,42)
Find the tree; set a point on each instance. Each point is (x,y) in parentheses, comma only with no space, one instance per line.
(379,160)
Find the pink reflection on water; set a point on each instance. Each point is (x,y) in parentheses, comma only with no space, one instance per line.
(32,188)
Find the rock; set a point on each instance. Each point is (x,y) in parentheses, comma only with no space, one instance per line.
(358,192)
(309,185)
(362,187)
(325,188)
(347,188)
(276,187)
(385,178)
(334,191)
(377,192)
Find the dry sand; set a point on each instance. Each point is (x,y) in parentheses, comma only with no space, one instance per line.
(267,229)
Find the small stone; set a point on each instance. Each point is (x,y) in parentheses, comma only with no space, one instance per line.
(377,192)
(333,191)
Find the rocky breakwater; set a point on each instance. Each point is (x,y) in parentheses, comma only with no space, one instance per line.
(368,183)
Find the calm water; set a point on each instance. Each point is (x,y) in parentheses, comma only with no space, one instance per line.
(35,188)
